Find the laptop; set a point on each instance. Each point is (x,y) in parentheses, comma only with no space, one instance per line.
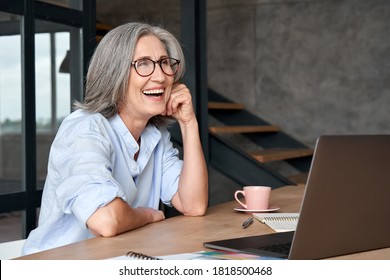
(345,207)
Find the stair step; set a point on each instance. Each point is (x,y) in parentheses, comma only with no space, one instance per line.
(299,179)
(101,30)
(244,129)
(281,154)
(103,27)
(225,105)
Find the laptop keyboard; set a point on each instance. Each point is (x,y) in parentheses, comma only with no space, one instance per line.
(283,248)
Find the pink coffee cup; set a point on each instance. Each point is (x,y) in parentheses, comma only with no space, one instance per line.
(256,197)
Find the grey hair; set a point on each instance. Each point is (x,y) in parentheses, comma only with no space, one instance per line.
(109,69)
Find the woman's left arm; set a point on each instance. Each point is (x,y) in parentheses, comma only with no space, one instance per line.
(192,196)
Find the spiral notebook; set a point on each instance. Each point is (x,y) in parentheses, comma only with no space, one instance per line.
(201,255)
(138,256)
(279,222)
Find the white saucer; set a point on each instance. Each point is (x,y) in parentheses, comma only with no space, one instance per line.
(272,208)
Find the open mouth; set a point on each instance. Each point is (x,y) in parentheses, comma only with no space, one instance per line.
(153,92)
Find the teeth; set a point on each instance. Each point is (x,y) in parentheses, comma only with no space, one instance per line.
(154,91)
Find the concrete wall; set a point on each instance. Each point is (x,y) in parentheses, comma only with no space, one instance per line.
(312,67)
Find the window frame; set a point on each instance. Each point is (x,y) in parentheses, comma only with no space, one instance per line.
(84,43)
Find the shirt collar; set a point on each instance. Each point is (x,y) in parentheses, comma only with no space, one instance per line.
(149,137)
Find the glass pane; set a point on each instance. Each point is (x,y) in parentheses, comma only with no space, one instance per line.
(10,104)
(11,226)
(53,98)
(73,4)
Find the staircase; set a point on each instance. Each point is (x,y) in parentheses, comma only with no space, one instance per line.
(273,157)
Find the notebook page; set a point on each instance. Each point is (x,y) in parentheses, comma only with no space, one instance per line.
(279,222)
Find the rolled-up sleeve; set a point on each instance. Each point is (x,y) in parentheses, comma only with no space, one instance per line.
(84,168)
(91,162)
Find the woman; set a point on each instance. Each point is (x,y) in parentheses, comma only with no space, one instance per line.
(112,160)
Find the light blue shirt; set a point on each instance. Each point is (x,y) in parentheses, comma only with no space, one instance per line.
(91,162)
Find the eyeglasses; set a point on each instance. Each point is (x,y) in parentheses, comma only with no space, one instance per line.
(146,66)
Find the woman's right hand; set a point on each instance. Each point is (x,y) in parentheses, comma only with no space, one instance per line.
(155,215)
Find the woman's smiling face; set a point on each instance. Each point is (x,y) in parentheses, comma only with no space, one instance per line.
(147,96)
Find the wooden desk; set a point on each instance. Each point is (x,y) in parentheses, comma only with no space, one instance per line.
(186,234)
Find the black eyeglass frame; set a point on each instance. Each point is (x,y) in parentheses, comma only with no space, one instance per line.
(159,62)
